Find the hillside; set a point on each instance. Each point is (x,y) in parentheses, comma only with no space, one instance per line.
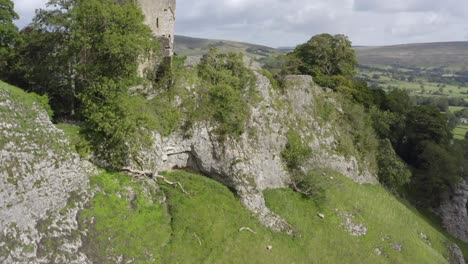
(187,46)
(362,224)
(143,220)
(443,54)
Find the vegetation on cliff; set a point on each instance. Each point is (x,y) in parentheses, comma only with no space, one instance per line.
(93,48)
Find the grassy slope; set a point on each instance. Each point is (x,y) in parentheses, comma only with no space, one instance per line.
(204,226)
(460,131)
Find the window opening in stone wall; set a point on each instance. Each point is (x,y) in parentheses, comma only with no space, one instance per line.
(157,22)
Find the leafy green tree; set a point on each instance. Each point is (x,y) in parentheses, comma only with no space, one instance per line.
(115,121)
(437,171)
(75,43)
(324,56)
(398,101)
(39,67)
(8,32)
(426,123)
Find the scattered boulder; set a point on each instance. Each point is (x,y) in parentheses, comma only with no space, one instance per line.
(397,246)
(355,229)
(378,251)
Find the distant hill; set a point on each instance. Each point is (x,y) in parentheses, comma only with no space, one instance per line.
(188,46)
(441,54)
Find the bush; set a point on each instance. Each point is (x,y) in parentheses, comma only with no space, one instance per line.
(228,92)
(313,185)
(393,172)
(115,121)
(296,152)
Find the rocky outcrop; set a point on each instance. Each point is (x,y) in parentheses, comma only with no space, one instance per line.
(252,163)
(43,185)
(455,254)
(453,212)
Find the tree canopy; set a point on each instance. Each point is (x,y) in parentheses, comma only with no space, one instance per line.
(8,30)
(324,56)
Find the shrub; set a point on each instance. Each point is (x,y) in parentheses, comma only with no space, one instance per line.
(115,121)
(393,172)
(296,152)
(228,90)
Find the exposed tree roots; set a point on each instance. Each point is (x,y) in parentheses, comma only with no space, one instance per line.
(155,176)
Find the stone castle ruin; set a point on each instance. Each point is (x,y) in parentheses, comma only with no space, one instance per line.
(160,17)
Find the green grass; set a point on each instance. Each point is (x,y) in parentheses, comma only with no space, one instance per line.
(203,227)
(27,99)
(430,89)
(76,138)
(125,219)
(460,131)
(455,109)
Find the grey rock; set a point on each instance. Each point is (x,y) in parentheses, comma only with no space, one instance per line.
(378,251)
(453,211)
(355,229)
(455,254)
(397,246)
(252,163)
(43,185)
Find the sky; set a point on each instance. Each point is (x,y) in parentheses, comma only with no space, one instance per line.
(286,23)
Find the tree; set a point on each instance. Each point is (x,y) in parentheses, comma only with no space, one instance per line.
(8,32)
(438,170)
(324,56)
(75,43)
(393,172)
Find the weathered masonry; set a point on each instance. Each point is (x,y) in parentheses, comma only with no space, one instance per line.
(160,16)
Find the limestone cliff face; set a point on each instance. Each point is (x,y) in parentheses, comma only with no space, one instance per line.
(43,185)
(253,163)
(453,212)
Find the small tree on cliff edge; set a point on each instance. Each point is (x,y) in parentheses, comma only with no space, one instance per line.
(325,57)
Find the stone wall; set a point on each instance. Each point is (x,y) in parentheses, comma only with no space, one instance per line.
(160,16)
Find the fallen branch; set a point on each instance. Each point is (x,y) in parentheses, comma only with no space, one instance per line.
(306,193)
(153,175)
(171,183)
(248,229)
(199,241)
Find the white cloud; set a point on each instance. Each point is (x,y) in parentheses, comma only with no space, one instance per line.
(27,9)
(287,23)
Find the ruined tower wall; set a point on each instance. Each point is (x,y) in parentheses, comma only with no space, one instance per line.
(160,16)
